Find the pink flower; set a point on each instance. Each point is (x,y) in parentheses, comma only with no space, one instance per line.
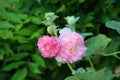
(48,46)
(72,46)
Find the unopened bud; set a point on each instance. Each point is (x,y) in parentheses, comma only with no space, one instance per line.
(71,20)
(51,29)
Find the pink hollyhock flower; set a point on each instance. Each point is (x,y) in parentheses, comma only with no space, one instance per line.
(48,46)
(72,46)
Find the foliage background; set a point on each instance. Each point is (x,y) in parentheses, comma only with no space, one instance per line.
(21,26)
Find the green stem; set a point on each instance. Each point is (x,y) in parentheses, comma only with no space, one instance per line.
(117,56)
(90,61)
(111,54)
(70,67)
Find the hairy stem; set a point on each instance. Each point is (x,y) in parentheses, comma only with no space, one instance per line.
(70,67)
(90,61)
(117,56)
(111,54)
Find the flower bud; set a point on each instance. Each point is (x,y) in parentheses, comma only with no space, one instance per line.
(52,29)
(71,20)
(50,17)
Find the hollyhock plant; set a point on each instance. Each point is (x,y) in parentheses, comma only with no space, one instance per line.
(72,46)
(68,47)
(48,46)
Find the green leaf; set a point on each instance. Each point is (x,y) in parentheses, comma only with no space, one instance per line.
(81,1)
(99,75)
(109,1)
(114,45)
(25,47)
(90,69)
(14,65)
(2,9)
(20,74)
(21,39)
(34,67)
(80,70)
(114,25)
(18,27)
(89,25)
(12,17)
(2,53)
(61,9)
(17,57)
(97,44)
(22,16)
(39,1)
(38,60)
(25,32)
(6,34)
(35,35)
(5,25)
(86,34)
(4,50)
(72,78)
(36,20)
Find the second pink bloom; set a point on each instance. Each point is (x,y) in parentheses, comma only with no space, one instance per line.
(72,46)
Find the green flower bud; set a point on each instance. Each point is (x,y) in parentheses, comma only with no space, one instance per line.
(52,30)
(71,20)
(50,17)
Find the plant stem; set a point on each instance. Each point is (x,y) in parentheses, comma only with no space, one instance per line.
(117,56)
(70,67)
(90,61)
(111,54)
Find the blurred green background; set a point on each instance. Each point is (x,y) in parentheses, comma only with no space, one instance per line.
(21,26)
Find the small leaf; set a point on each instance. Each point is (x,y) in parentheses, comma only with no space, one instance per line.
(38,60)
(2,53)
(34,67)
(80,70)
(12,17)
(25,47)
(61,8)
(114,25)
(21,39)
(14,65)
(17,57)
(36,20)
(86,34)
(5,25)
(25,32)
(6,34)
(20,74)
(81,1)
(18,27)
(39,1)
(35,35)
